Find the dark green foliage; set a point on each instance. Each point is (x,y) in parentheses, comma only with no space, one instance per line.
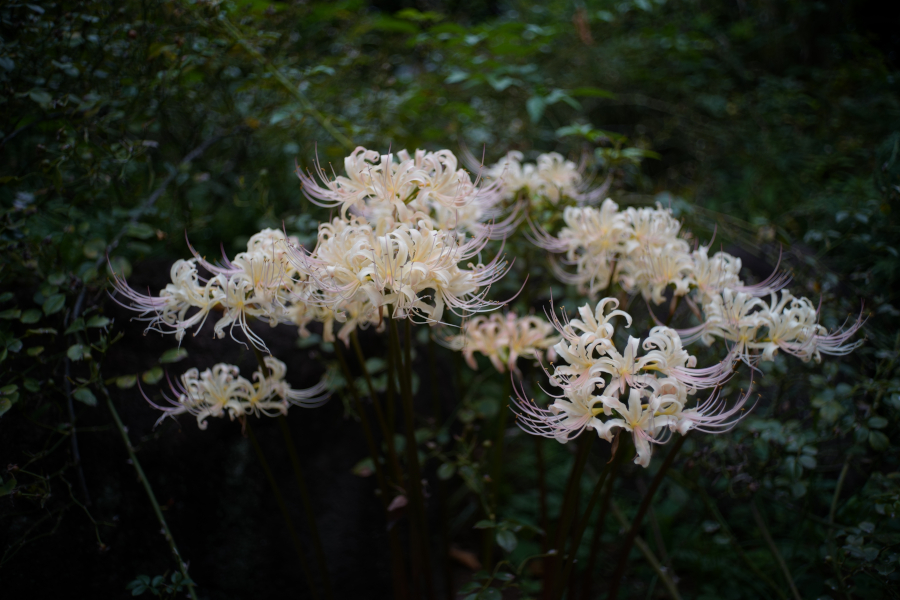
(127,125)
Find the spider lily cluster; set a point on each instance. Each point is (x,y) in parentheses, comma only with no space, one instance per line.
(551,177)
(645,389)
(645,251)
(503,339)
(222,391)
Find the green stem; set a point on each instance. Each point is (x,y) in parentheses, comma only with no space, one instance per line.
(639,517)
(412,454)
(282,506)
(291,88)
(386,427)
(579,530)
(499,438)
(397,568)
(542,489)
(711,506)
(565,518)
(307,505)
(441,484)
(648,554)
(601,519)
(771,544)
(831,514)
(182,566)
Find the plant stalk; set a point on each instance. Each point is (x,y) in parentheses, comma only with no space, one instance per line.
(182,566)
(285,513)
(772,548)
(639,517)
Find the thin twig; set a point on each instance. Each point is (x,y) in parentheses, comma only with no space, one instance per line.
(642,510)
(771,544)
(648,554)
(830,533)
(182,565)
(285,513)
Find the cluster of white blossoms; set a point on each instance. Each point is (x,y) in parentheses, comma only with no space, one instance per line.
(503,339)
(222,391)
(643,390)
(409,235)
(645,251)
(550,178)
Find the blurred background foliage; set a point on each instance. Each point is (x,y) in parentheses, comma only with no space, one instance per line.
(774,124)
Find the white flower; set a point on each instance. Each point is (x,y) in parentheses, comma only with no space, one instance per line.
(504,339)
(221,391)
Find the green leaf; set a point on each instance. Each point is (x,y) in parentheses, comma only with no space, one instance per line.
(507,540)
(6,297)
(7,487)
(173,356)
(98,321)
(77,325)
(446,471)
(591,92)
(535,106)
(54,304)
(152,376)
(11,313)
(6,404)
(32,315)
(85,395)
(808,461)
(878,422)
(141,231)
(10,389)
(126,381)
(75,352)
(490,594)
(485,524)
(879,441)
(34,350)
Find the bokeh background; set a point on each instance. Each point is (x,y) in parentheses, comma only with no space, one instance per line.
(126,125)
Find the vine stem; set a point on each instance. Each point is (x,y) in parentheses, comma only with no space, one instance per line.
(182,566)
(282,506)
(639,517)
(397,568)
(771,544)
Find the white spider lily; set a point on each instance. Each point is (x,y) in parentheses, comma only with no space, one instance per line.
(221,391)
(504,339)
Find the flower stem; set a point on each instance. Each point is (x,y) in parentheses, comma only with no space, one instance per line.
(579,530)
(397,567)
(565,518)
(832,512)
(416,496)
(617,460)
(639,517)
(182,566)
(542,488)
(771,544)
(657,566)
(387,428)
(285,513)
(307,505)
